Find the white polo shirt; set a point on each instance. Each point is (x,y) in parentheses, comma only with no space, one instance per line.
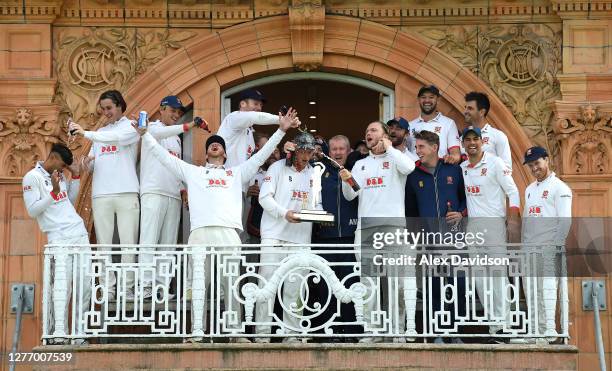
(547,211)
(237,131)
(487,183)
(115,151)
(153,177)
(215,192)
(284,189)
(382,179)
(496,142)
(444,126)
(54,213)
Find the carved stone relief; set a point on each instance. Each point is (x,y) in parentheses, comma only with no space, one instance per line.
(90,61)
(25,135)
(519,62)
(585,136)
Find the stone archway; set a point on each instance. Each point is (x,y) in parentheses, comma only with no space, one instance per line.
(351,46)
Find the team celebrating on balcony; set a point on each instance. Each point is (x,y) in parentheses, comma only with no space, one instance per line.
(243,194)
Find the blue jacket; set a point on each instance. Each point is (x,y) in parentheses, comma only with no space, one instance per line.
(333,201)
(428,195)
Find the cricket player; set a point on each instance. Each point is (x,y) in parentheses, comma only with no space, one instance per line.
(488,181)
(433,120)
(115,184)
(382,178)
(215,191)
(285,191)
(546,223)
(160,191)
(49,198)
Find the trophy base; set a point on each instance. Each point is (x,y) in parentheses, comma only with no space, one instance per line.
(315,216)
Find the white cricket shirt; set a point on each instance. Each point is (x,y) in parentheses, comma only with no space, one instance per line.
(115,151)
(285,189)
(487,183)
(215,192)
(55,214)
(153,177)
(444,126)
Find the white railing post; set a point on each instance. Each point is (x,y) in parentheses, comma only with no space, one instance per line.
(198,291)
(60,290)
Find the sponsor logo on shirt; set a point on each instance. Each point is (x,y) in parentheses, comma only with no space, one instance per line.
(449,180)
(217,182)
(386,165)
(483,172)
(110,149)
(376,181)
(61,196)
(299,195)
(474,190)
(535,210)
(27,188)
(507,172)
(545,195)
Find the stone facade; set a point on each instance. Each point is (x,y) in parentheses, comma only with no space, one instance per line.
(547,65)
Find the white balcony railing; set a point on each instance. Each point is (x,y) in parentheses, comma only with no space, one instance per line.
(183,306)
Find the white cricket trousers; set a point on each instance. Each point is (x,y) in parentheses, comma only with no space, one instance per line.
(219,236)
(271,256)
(541,288)
(401,294)
(65,269)
(127,209)
(159,222)
(492,282)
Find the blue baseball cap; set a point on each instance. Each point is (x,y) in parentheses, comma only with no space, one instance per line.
(399,121)
(429,89)
(472,129)
(172,101)
(252,94)
(535,153)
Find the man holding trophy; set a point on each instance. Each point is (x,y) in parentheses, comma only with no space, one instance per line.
(290,197)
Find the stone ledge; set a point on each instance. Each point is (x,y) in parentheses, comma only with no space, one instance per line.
(316,357)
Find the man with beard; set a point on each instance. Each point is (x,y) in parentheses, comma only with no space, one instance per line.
(382,178)
(546,223)
(432,120)
(494,141)
(160,191)
(399,131)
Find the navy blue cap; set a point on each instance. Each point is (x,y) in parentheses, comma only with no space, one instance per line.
(252,94)
(535,153)
(472,129)
(172,101)
(400,121)
(429,89)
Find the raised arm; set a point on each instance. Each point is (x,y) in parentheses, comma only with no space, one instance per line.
(250,167)
(403,164)
(175,165)
(164,131)
(245,119)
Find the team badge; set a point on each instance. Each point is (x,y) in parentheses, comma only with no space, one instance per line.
(449,180)
(545,194)
(362,167)
(327,174)
(438,129)
(485,140)
(421,185)
(228,172)
(483,172)
(46,182)
(290,178)
(386,165)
